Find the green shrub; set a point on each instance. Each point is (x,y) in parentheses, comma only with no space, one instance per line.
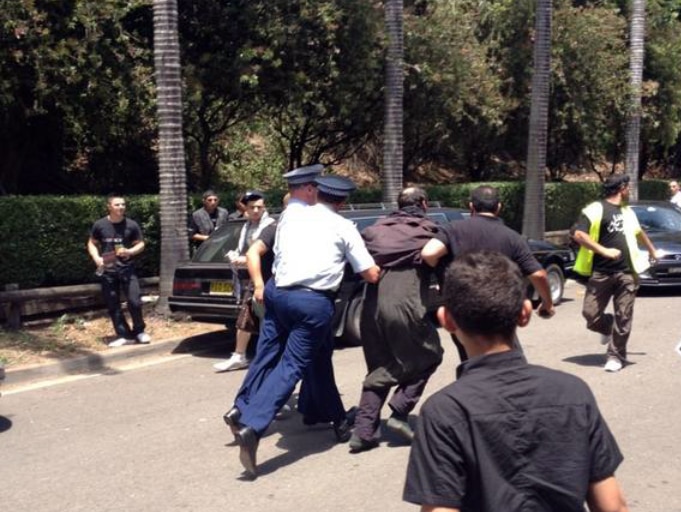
(44,237)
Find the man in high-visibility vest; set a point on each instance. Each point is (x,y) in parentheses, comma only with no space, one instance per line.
(608,233)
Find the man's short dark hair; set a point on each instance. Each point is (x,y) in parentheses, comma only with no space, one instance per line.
(485,199)
(208,193)
(614,183)
(484,293)
(412,196)
(113,195)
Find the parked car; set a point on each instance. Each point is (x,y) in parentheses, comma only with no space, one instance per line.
(204,287)
(662,222)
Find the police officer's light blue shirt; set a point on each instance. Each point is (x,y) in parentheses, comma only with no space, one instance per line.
(313,244)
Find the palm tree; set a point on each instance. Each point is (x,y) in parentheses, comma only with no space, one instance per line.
(636,46)
(533,213)
(394,106)
(172,173)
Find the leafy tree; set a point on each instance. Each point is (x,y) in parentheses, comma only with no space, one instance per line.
(63,65)
(220,46)
(320,76)
(454,103)
(589,88)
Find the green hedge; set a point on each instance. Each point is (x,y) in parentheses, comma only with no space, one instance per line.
(43,238)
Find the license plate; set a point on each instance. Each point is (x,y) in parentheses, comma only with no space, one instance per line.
(221,288)
(674,270)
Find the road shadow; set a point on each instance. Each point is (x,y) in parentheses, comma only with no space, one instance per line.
(586,359)
(597,359)
(300,440)
(5,424)
(210,344)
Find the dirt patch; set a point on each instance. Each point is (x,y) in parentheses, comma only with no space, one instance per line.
(72,335)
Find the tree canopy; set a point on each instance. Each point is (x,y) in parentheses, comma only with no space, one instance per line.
(270,85)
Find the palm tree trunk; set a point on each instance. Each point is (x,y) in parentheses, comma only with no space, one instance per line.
(533,213)
(172,172)
(636,54)
(393,147)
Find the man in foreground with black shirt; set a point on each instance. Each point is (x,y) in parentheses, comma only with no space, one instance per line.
(507,435)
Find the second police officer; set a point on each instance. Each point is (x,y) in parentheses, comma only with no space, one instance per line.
(313,245)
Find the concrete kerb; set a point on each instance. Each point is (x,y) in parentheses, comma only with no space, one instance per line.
(95,362)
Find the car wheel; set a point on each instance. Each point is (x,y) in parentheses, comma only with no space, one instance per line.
(556,282)
(351,333)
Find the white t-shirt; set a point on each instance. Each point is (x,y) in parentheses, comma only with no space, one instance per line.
(676,199)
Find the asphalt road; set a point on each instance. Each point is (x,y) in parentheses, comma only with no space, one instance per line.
(150,437)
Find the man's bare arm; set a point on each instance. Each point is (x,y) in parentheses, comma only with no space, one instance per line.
(254,263)
(430,508)
(540,281)
(433,251)
(372,274)
(643,238)
(606,496)
(585,240)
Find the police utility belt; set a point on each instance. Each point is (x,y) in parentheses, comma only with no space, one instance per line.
(330,294)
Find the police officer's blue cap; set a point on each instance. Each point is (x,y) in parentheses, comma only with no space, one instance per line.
(303,175)
(337,186)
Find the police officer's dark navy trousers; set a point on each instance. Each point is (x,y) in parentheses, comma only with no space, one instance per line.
(297,324)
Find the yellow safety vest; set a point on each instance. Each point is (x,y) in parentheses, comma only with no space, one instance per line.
(585,257)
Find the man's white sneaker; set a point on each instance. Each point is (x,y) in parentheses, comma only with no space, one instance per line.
(613,365)
(606,339)
(235,362)
(143,338)
(120,342)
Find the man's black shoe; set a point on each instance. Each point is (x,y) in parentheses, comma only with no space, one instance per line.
(343,430)
(232,418)
(248,441)
(357,444)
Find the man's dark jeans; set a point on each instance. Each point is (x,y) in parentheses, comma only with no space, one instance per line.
(112,285)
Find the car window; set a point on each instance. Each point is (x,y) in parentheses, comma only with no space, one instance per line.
(438,218)
(653,218)
(363,222)
(225,239)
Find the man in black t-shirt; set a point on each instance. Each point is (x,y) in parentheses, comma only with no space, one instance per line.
(608,232)
(484,230)
(506,435)
(114,242)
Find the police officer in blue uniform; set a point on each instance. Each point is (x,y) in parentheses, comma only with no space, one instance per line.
(312,247)
(303,193)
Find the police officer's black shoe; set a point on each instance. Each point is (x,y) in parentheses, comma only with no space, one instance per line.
(232,418)
(351,414)
(248,441)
